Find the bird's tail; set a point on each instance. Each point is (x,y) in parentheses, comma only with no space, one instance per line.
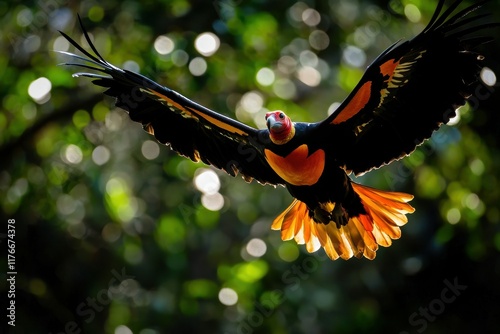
(385,213)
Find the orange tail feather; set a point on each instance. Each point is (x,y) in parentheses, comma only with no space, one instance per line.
(385,213)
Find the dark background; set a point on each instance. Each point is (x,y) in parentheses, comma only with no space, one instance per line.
(124,245)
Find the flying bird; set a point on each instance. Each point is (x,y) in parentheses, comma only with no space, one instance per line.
(407,92)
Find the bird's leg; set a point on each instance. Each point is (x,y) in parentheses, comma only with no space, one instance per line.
(330,212)
(322,216)
(339,216)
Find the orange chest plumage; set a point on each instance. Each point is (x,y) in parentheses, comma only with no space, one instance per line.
(299,168)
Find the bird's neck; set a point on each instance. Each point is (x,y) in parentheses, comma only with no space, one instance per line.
(283,137)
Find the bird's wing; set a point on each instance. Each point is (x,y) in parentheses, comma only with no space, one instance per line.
(408,92)
(189,128)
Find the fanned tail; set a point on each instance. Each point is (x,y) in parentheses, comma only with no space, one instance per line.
(385,214)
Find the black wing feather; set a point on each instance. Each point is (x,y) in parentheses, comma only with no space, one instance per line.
(189,128)
(434,74)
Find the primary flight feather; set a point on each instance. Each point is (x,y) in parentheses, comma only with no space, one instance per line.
(405,94)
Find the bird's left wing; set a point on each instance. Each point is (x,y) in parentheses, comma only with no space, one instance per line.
(408,92)
(189,128)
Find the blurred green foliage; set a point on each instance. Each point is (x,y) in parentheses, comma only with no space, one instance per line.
(113,236)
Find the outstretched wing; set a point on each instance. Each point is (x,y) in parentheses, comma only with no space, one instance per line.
(187,127)
(408,92)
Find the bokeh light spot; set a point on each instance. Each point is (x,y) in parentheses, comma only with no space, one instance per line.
(150,150)
(287,64)
(477,166)
(354,56)
(412,13)
(285,89)
(96,13)
(197,66)
(61,44)
(207,43)
(120,203)
(122,329)
(334,106)
(164,45)
(311,17)
(37,287)
(309,76)
(206,181)
(81,119)
(265,76)
(65,204)
(256,247)
(228,296)
(39,90)
(111,232)
(24,17)
(213,202)
(288,252)
(133,254)
(453,216)
(252,102)
(488,76)
(456,119)
(308,58)
(77,230)
(412,265)
(132,66)
(72,154)
(180,58)
(472,201)
(296,11)
(101,155)
(319,40)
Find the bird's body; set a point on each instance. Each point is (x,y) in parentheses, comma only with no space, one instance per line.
(405,94)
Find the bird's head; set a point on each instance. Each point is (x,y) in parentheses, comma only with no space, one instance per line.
(280,126)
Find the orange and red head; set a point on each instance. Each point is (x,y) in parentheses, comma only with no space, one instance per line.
(280,126)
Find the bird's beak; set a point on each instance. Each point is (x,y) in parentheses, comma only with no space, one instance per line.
(273,125)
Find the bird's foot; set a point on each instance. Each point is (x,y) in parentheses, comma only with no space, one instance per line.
(322,216)
(336,215)
(339,216)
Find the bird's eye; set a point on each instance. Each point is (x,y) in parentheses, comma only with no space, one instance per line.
(282,115)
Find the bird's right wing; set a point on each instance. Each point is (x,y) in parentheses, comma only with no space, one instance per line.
(189,128)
